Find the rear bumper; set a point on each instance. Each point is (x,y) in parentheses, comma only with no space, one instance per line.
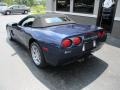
(58,56)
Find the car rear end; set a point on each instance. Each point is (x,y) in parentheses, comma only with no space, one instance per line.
(26,8)
(76,46)
(23,9)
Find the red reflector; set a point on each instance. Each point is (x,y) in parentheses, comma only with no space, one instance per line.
(77,40)
(101,34)
(66,43)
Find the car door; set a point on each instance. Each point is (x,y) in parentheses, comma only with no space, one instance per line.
(22,29)
(14,9)
(21,9)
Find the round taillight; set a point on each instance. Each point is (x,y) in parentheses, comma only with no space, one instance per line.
(66,43)
(77,40)
(101,34)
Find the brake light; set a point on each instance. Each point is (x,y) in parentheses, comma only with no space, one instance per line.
(66,43)
(101,34)
(77,40)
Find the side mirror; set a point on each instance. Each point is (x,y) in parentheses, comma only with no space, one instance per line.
(14,24)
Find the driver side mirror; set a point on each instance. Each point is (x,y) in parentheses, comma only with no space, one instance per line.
(14,24)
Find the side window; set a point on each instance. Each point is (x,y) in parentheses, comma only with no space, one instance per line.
(14,7)
(22,7)
(28,22)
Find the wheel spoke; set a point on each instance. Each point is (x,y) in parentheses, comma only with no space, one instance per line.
(36,54)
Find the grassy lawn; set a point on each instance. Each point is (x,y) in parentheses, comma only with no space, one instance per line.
(38,9)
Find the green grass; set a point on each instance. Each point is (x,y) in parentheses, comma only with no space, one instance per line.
(38,9)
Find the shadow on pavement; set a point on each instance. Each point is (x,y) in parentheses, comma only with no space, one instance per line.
(74,76)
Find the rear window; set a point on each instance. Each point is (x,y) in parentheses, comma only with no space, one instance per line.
(56,19)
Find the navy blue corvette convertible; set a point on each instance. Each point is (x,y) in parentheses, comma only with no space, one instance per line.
(56,39)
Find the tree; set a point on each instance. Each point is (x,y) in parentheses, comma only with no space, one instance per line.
(43,2)
(26,2)
(9,2)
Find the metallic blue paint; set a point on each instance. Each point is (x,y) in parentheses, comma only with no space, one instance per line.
(52,37)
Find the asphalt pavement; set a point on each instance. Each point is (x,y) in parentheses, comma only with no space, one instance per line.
(17,71)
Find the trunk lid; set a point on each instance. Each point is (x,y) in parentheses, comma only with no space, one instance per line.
(72,29)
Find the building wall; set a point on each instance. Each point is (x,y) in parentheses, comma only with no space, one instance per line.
(50,5)
(96,6)
(118,9)
(116,29)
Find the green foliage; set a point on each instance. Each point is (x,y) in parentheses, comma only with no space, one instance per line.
(38,9)
(26,2)
(9,2)
(43,2)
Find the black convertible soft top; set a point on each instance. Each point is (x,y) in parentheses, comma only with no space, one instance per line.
(40,20)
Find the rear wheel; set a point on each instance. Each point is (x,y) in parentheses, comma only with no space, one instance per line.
(37,55)
(25,12)
(7,12)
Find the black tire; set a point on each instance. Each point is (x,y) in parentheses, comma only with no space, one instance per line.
(25,12)
(9,35)
(42,62)
(7,13)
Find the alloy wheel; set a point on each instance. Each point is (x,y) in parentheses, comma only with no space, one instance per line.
(36,56)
